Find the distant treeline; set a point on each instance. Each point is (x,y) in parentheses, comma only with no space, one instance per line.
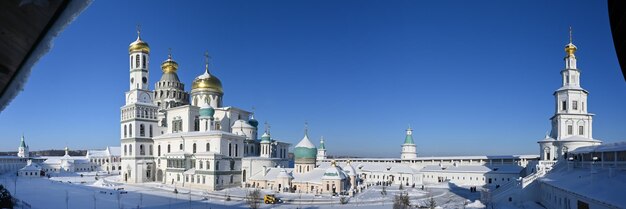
(48,153)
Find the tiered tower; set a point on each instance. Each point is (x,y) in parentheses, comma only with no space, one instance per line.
(571,123)
(138,118)
(409,150)
(22,150)
(321,150)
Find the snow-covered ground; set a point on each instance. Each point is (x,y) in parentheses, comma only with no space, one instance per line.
(74,191)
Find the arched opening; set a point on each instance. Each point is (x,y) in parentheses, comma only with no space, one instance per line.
(141,150)
(194,148)
(208,147)
(142,131)
(150,130)
(158,150)
(143,61)
(169,149)
(130,130)
(125,133)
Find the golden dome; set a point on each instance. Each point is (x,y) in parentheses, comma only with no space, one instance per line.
(169,65)
(570,49)
(207,81)
(139,45)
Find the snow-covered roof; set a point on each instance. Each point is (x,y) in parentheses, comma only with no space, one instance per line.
(195,133)
(611,147)
(241,124)
(578,138)
(108,152)
(334,172)
(31,167)
(473,169)
(602,185)
(305,142)
(381,167)
(284,174)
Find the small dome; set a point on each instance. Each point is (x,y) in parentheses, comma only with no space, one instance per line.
(207,81)
(266,137)
(253,121)
(139,45)
(206,111)
(305,149)
(169,65)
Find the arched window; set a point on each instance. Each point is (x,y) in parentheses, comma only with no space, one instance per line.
(143,60)
(150,130)
(208,165)
(230,149)
(236,150)
(141,150)
(217,165)
(130,149)
(194,148)
(125,150)
(150,149)
(125,133)
(181,146)
(130,130)
(142,131)
(208,147)
(196,124)
(168,148)
(159,150)
(137,61)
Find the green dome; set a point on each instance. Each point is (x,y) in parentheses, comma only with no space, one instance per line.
(408,139)
(207,111)
(304,152)
(266,137)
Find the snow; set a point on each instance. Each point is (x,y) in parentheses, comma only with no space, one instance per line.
(107,193)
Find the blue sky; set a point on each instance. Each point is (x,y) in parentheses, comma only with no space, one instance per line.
(471,78)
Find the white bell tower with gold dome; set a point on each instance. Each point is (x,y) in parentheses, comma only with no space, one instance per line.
(138,118)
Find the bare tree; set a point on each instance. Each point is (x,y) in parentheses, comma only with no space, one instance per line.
(431,203)
(253,198)
(401,201)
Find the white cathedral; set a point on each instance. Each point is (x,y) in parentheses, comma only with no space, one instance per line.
(166,138)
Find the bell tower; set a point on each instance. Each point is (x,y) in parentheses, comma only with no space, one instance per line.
(138,118)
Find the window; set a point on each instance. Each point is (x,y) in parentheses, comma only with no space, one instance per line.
(142,131)
(200,165)
(196,124)
(150,149)
(125,131)
(130,130)
(230,149)
(581,130)
(130,149)
(168,148)
(564,105)
(137,61)
(236,150)
(125,151)
(208,147)
(180,147)
(194,148)
(208,165)
(159,150)
(217,165)
(143,61)
(575,105)
(569,130)
(141,150)
(150,130)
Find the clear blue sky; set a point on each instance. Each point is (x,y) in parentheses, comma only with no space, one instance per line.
(471,78)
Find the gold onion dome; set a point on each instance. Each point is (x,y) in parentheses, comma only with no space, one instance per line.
(139,45)
(207,81)
(570,48)
(169,65)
